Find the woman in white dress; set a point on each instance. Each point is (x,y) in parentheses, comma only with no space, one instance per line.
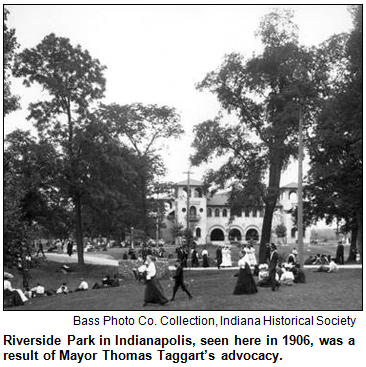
(251,256)
(226,257)
(153,291)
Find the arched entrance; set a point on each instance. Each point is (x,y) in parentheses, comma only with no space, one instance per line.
(217,235)
(252,234)
(234,235)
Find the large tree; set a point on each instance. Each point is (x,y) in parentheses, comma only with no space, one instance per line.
(10,45)
(111,196)
(144,128)
(265,93)
(34,166)
(335,179)
(73,81)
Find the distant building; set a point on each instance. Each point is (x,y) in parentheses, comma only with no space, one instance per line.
(212,221)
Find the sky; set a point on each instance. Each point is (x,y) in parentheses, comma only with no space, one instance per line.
(157,54)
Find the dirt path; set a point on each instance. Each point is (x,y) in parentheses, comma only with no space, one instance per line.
(95,259)
(100,259)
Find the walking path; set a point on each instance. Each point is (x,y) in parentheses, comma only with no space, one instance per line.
(88,258)
(100,259)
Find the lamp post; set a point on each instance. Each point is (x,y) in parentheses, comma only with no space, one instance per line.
(188,192)
(300,225)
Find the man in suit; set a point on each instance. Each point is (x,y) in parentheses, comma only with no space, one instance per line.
(218,256)
(340,253)
(179,282)
(273,260)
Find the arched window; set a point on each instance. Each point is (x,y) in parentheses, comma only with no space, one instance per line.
(209,212)
(197,193)
(293,232)
(217,235)
(217,212)
(292,195)
(224,212)
(198,232)
(234,235)
(252,234)
(192,211)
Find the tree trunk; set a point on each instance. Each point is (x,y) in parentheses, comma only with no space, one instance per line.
(353,246)
(79,231)
(270,201)
(144,203)
(266,231)
(359,235)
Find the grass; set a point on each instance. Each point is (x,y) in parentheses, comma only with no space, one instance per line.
(212,290)
(283,250)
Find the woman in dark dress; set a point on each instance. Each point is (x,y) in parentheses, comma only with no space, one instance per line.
(245,283)
(204,255)
(153,290)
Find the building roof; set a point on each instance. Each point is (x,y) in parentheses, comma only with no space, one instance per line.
(218,199)
(292,185)
(192,182)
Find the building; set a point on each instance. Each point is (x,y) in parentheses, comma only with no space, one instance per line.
(212,221)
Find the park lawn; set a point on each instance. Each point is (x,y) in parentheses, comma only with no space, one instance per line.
(283,251)
(211,289)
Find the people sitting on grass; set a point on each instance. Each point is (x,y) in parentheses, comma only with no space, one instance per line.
(63,289)
(287,277)
(16,295)
(107,282)
(263,276)
(65,269)
(83,286)
(292,258)
(310,260)
(324,264)
(38,290)
(299,275)
(333,267)
(115,281)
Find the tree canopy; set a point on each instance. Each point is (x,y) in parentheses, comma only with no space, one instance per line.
(73,80)
(335,148)
(11,102)
(265,93)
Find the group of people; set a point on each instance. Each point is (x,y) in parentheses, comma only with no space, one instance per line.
(17,297)
(223,256)
(270,274)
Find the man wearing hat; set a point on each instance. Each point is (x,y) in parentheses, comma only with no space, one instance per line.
(273,260)
(340,253)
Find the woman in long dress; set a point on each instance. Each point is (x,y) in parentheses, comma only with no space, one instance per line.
(226,257)
(251,256)
(204,255)
(245,283)
(153,290)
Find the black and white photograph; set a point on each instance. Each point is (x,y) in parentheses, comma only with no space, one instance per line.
(182,157)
